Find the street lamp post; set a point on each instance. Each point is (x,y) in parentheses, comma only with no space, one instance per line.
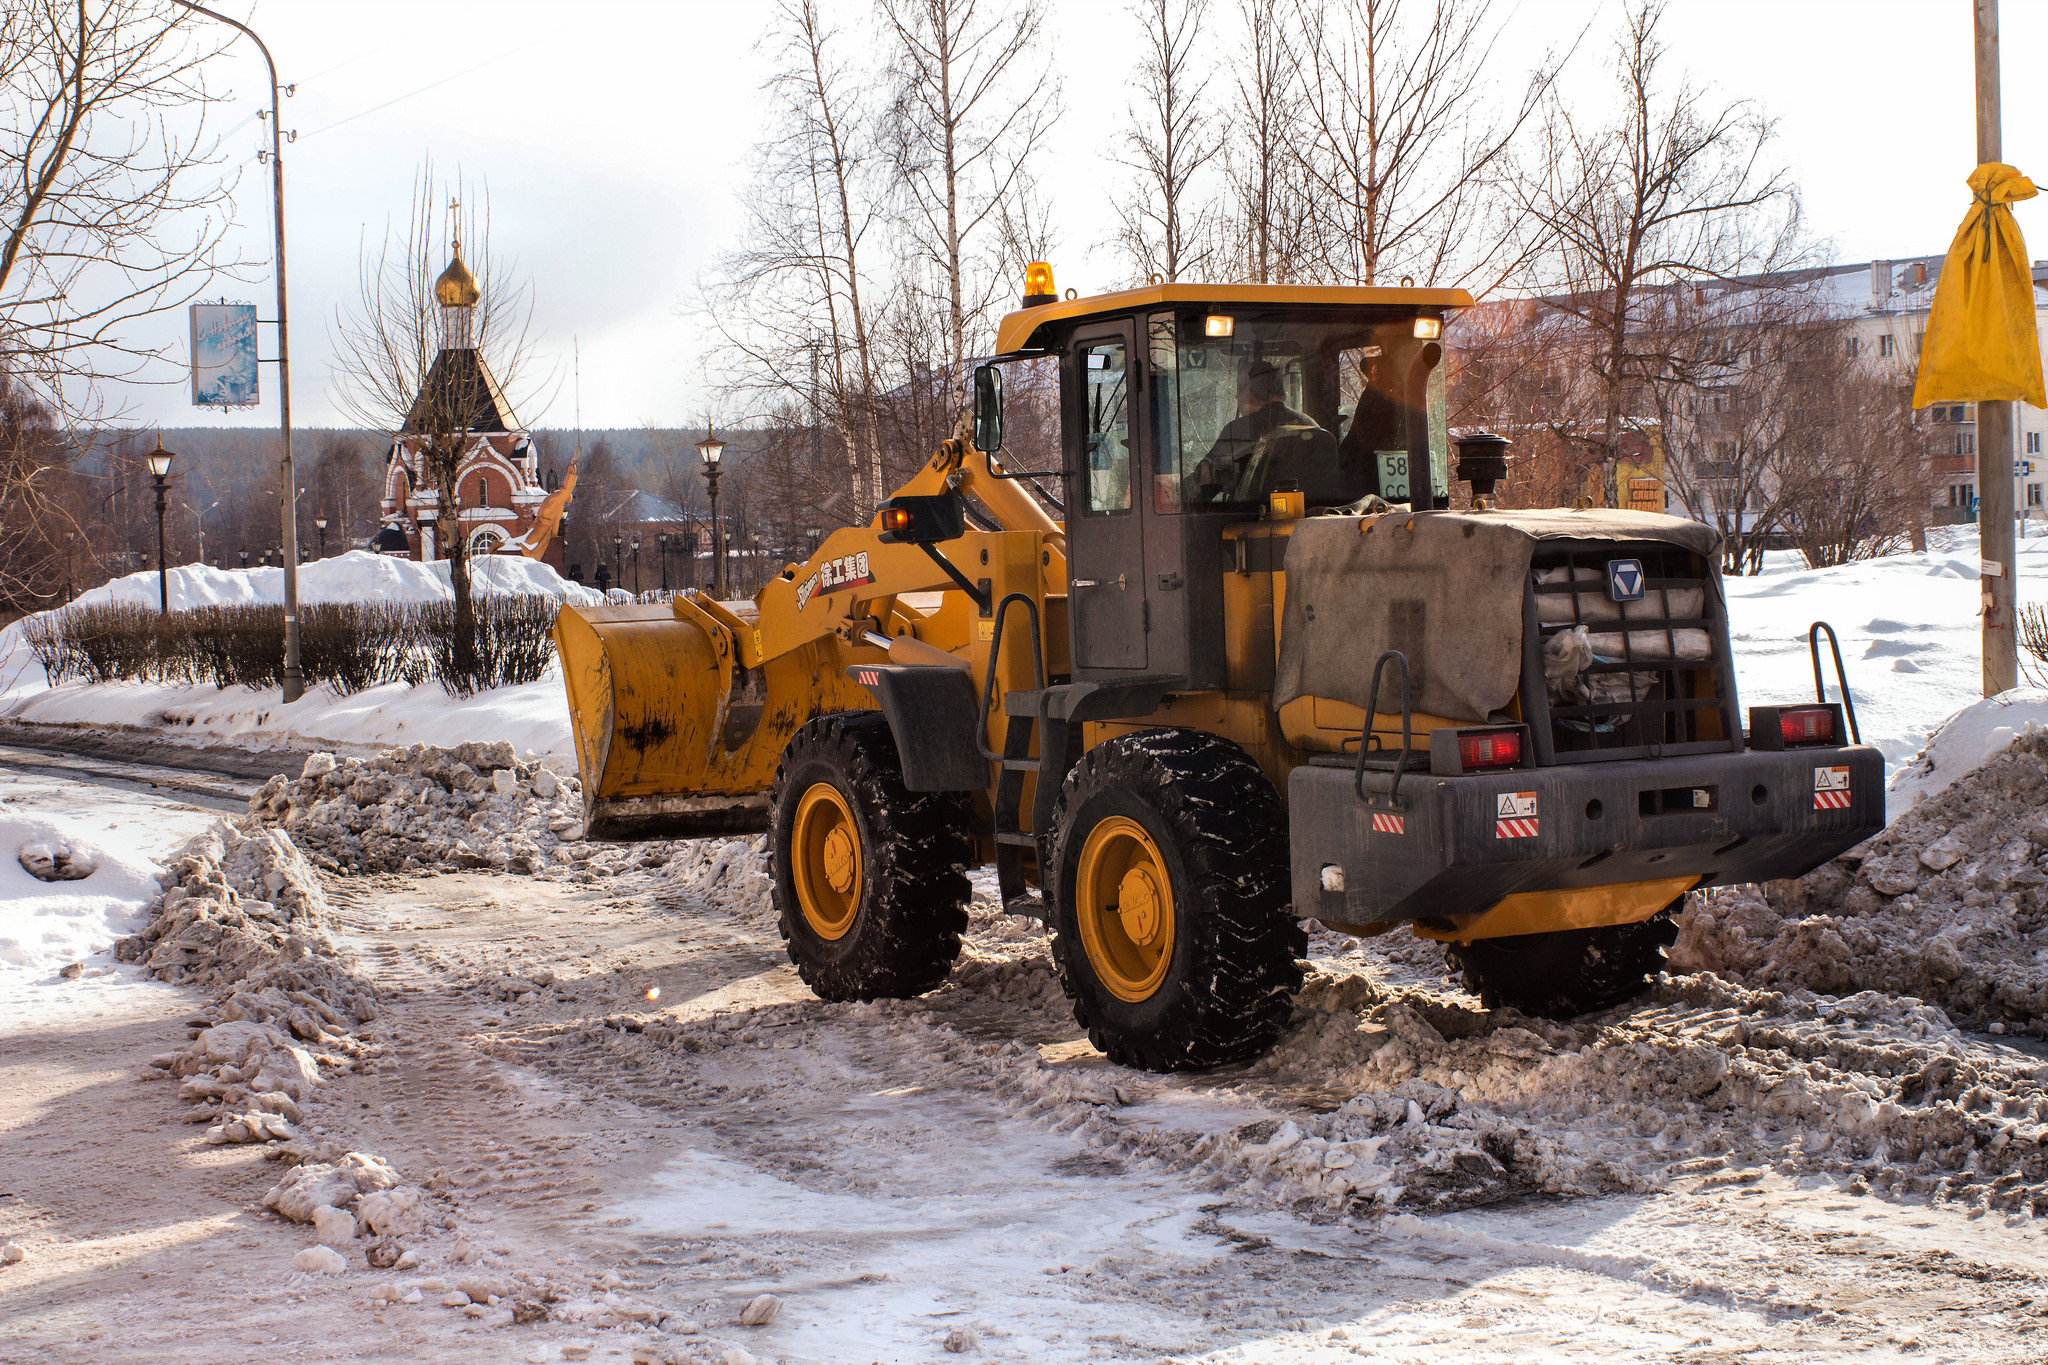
(245,559)
(619,560)
(711,448)
(294,675)
(636,563)
(159,466)
(320,525)
(663,542)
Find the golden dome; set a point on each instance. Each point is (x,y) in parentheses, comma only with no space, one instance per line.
(457,287)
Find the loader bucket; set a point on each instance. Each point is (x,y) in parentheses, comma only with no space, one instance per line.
(662,739)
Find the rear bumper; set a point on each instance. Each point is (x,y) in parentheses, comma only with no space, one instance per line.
(1456,845)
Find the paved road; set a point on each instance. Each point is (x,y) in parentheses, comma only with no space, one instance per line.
(213,776)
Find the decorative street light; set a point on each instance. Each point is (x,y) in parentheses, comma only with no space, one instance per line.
(245,559)
(814,533)
(663,541)
(320,524)
(711,448)
(636,563)
(619,559)
(159,466)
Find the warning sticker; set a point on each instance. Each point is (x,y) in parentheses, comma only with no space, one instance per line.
(1514,815)
(1389,824)
(1831,789)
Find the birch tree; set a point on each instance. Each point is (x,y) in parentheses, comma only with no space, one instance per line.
(1165,224)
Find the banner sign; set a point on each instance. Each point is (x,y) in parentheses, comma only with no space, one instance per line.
(223,355)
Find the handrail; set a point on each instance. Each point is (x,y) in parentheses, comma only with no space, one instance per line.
(1820,693)
(995,649)
(1365,738)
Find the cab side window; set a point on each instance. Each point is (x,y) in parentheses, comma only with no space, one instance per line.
(1106,426)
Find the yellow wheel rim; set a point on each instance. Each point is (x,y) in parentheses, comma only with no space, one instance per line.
(1124,901)
(825,861)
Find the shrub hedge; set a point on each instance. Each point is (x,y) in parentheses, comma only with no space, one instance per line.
(347,645)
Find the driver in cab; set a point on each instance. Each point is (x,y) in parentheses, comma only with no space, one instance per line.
(1239,466)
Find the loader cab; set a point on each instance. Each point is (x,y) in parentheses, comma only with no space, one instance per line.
(1186,409)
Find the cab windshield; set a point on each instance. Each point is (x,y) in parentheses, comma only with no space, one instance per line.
(1252,403)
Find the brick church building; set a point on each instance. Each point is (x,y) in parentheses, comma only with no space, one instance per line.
(502,504)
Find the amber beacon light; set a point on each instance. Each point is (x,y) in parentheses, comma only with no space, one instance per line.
(1038,285)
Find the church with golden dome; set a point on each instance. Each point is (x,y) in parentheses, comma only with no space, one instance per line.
(503,506)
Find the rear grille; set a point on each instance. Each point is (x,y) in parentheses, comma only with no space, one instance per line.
(1610,680)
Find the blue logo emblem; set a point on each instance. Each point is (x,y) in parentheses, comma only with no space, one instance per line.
(1625,580)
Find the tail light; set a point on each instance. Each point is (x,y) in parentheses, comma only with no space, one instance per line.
(1496,749)
(1454,751)
(1807,725)
(1795,727)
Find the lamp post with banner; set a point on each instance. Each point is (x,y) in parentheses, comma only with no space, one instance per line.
(294,675)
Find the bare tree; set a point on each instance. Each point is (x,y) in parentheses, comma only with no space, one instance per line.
(1266,223)
(414,361)
(1673,191)
(793,302)
(112,203)
(1402,149)
(1164,226)
(972,104)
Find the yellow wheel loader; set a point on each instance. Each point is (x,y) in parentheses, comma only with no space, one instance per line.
(1231,666)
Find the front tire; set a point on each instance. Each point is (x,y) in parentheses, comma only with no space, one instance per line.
(1570,972)
(1171,929)
(870,884)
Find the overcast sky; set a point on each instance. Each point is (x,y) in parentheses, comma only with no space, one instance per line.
(616,137)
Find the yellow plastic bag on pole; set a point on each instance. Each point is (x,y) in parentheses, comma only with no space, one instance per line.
(1981,343)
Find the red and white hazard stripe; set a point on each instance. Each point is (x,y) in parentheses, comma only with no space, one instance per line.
(1514,829)
(1389,824)
(1831,800)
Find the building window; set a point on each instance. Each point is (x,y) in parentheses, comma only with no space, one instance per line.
(1887,346)
(2033,495)
(1962,494)
(2033,443)
(483,491)
(1966,443)
(1854,345)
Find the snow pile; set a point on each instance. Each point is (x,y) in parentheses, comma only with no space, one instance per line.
(1963,743)
(730,875)
(477,805)
(63,898)
(246,920)
(1948,905)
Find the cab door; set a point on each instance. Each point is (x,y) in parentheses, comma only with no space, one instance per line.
(1105,537)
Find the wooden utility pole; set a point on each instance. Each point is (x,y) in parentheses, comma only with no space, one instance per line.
(1994,421)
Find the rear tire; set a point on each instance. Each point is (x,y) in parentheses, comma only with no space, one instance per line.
(870,883)
(1169,890)
(1570,972)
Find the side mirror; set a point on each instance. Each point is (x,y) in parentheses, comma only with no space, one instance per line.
(988,409)
(923,520)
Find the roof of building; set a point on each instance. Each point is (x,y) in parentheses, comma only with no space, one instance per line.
(460,393)
(457,288)
(637,506)
(1019,329)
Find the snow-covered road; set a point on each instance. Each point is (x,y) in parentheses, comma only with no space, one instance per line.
(624,1104)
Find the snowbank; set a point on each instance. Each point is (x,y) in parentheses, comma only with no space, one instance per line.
(534,716)
(1963,743)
